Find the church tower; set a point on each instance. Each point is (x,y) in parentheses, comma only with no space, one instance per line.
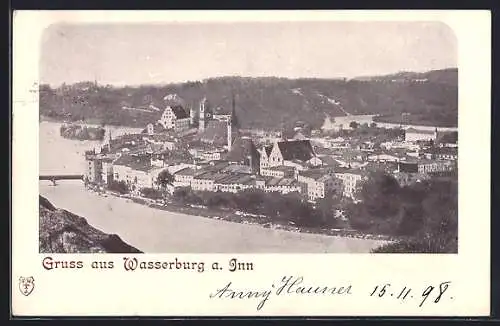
(234,120)
(203,108)
(229,133)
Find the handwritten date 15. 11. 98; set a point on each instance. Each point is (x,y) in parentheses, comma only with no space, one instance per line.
(434,292)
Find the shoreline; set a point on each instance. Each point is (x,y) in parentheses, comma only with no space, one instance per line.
(239,217)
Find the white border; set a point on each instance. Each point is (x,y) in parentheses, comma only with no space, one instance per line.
(117,293)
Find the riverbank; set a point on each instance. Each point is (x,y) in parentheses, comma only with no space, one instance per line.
(236,216)
(155,230)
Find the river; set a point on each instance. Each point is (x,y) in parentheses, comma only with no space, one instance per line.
(157,231)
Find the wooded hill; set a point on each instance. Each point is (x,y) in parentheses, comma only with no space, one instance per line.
(266,102)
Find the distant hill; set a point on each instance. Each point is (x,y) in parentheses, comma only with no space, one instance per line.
(267,102)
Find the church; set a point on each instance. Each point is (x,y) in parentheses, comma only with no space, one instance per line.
(216,126)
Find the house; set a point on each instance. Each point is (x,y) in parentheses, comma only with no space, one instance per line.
(167,141)
(297,165)
(382,157)
(425,166)
(213,155)
(107,169)
(351,180)
(279,172)
(414,135)
(235,168)
(445,153)
(243,151)
(282,185)
(354,155)
(319,183)
(176,118)
(98,167)
(431,166)
(93,172)
(234,183)
(293,150)
(174,168)
(136,172)
(206,181)
(153,128)
(184,177)
(265,152)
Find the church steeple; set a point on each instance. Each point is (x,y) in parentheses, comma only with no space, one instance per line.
(234,120)
(202,114)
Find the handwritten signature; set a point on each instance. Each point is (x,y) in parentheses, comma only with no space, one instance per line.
(288,285)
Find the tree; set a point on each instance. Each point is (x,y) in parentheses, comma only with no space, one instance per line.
(119,186)
(354,125)
(379,210)
(151,193)
(165,178)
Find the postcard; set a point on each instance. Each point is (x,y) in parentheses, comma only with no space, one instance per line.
(251,163)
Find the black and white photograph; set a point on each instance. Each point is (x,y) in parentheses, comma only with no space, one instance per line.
(226,163)
(250,137)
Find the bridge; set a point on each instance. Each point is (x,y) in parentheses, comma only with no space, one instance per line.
(54,178)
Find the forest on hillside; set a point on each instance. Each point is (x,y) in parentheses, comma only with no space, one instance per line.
(265,102)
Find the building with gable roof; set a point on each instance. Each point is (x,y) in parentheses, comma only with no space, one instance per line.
(137,172)
(176,118)
(265,152)
(414,135)
(243,151)
(291,151)
(319,183)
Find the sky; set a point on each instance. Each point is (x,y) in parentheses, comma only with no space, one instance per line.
(134,54)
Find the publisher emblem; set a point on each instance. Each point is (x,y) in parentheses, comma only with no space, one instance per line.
(26,285)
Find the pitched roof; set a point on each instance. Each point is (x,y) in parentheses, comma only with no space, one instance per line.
(241,149)
(268,149)
(281,182)
(314,173)
(216,133)
(186,171)
(328,160)
(235,179)
(134,162)
(236,168)
(179,112)
(283,168)
(296,150)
